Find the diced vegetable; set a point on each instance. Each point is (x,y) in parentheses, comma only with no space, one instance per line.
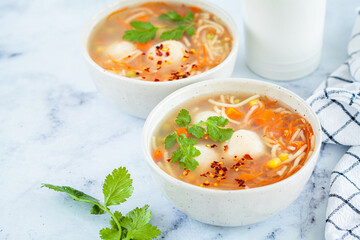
(158,154)
(283,156)
(273,163)
(233,113)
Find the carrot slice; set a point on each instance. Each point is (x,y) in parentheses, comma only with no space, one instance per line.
(158,154)
(182,130)
(233,113)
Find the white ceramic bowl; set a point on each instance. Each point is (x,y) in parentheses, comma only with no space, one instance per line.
(236,207)
(137,97)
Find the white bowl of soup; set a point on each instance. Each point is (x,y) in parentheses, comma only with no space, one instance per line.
(231,152)
(140,51)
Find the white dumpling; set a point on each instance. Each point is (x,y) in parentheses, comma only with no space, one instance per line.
(207,156)
(203,116)
(245,142)
(120,49)
(170,55)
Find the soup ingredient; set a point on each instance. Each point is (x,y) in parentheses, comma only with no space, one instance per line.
(120,50)
(116,189)
(245,142)
(202,116)
(166,56)
(233,113)
(145,31)
(207,156)
(186,153)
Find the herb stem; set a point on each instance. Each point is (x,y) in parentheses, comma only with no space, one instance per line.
(113,217)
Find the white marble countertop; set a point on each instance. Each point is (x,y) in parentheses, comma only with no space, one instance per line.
(56,128)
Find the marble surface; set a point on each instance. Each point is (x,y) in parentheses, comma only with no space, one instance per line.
(56,128)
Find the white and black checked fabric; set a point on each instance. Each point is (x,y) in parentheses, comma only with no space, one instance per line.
(337,103)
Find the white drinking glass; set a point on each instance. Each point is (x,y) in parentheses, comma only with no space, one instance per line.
(283,37)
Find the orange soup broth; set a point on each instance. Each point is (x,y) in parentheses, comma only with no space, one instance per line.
(275,124)
(204,50)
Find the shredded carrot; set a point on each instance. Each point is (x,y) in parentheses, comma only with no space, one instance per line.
(182,130)
(116,12)
(233,113)
(194,9)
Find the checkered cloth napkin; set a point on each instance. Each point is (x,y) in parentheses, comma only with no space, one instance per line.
(337,103)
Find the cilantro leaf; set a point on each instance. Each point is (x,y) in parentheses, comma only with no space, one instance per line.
(189,17)
(109,234)
(218,120)
(170,140)
(96,210)
(142,25)
(188,163)
(196,131)
(171,16)
(117,187)
(183,118)
(190,31)
(143,32)
(119,217)
(214,131)
(186,153)
(137,224)
(175,34)
(75,194)
(186,141)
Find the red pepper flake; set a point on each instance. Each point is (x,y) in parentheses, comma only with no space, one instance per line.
(226,147)
(156,80)
(159,62)
(213,146)
(151,58)
(167,54)
(169,160)
(240,182)
(248,157)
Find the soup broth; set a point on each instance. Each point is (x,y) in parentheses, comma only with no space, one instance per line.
(203,43)
(268,142)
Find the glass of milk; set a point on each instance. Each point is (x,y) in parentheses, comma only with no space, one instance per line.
(283,37)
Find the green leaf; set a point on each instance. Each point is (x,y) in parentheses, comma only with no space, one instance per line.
(142,25)
(183,118)
(189,17)
(214,131)
(117,187)
(174,34)
(192,151)
(119,217)
(140,36)
(109,234)
(188,163)
(225,134)
(137,224)
(96,210)
(218,120)
(75,194)
(190,31)
(196,131)
(186,141)
(177,155)
(170,140)
(171,16)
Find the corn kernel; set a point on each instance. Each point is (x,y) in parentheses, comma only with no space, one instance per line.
(253,102)
(130,74)
(210,36)
(236,101)
(283,156)
(273,163)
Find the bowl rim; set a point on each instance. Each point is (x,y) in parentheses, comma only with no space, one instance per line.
(150,162)
(95,19)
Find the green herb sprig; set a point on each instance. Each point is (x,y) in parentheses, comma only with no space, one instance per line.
(116,189)
(186,153)
(143,32)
